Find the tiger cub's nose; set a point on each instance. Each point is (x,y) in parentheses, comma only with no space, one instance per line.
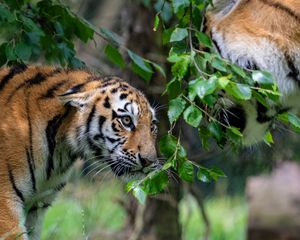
(145,162)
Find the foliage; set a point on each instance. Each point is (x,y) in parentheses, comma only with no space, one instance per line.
(84,208)
(200,77)
(232,224)
(48,30)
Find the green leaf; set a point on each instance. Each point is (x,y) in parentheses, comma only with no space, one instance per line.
(156,22)
(223,82)
(239,91)
(176,107)
(157,68)
(234,135)
(205,134)
(180,4)
(205,87)
(203,175)
(139,194)
(294,121)
(116,39)
(193,116)
(168,145)
(235,131)
(156,183)
(167,35)
(219,64)
(10,53)
(139,61)
(238,70)
(204,39)
(114,56)
(186,171)
(23,51)
(139,71)
(216,130)
(178,34)
(6,15)
(173,88)
(165,10)
(207,175)
(262,77)
(82,30)
(268,138)
(216,173)
(181,66)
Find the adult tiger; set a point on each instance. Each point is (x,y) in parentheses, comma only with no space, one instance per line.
(50,117)
(259,34)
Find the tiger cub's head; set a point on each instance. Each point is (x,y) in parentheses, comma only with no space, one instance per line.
(113,123)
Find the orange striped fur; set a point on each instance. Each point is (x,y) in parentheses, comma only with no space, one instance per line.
(50,117)
(264,35)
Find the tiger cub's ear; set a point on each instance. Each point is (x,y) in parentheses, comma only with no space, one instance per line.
(77,98)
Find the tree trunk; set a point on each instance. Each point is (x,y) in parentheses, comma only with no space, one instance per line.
(159,219)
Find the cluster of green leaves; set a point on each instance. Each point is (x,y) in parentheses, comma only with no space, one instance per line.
(200,81)
(47,30)
(31,30)
(201,77)
(139,65)
(34,29)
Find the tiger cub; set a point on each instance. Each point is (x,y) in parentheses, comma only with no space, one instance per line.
(265,35)
(49,118)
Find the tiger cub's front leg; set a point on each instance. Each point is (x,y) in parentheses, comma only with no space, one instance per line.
(12,220)
(34,222)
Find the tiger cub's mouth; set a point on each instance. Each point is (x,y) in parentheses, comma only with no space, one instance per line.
(131,171)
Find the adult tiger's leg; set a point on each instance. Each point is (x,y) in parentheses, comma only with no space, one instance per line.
(11,220)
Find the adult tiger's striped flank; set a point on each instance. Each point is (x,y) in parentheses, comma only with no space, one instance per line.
(49,118)
(265,35)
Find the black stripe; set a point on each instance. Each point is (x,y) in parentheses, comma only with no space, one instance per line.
(112,140)
(126,105)
(51,131)
(114,90)
(121,110)
(113,126)
(123,96)
(13,71)
(74,89)
(118,144)
(13,183)
(35,207)
(92,146)
(282,7)
(51,91)
(123,86)
(37,79)
(29,132)
(216,45)
(109,83)
(106,103)
(30,165)
(114,114)
(102,119)
(294,72)
(89,119)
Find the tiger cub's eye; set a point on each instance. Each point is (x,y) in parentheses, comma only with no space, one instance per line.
(127,121)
